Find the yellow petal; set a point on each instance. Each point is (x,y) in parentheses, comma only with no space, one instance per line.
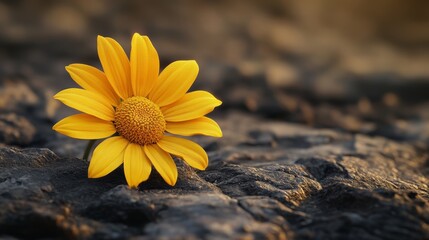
(191,106)
(144,65)
(88,102)
(116,65)
(173,82)
(92,79)
(191,152)
(162,162)
(202,125)
(107,156)
(137,166)
(84,126)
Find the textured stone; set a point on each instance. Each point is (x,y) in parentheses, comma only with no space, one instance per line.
(309,184)
(16,130)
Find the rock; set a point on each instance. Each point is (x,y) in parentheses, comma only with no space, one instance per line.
(16,130)
(309,183)
(26,113)
(17,94)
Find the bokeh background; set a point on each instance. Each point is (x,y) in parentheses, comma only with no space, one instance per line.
(358,66)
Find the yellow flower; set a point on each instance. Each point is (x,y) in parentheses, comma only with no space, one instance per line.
(134,106)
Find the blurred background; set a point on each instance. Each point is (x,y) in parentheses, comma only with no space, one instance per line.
(357,66)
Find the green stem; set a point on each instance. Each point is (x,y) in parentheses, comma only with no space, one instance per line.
(88,149)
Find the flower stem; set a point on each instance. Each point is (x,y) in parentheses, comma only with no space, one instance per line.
(88,149)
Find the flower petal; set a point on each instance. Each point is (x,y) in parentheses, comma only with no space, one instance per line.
(84,126)
(107,156)
(193,105)
(191,152)
(144,65)
(137,166)
(116,65)
(202,125)
(88,102)
(163,163)
(92,79)
(173,82)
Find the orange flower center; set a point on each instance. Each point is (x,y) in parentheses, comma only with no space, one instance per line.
(140,121)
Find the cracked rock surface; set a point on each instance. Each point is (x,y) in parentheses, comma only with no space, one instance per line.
(326,184)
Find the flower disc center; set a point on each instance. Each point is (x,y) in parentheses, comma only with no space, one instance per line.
(140,121)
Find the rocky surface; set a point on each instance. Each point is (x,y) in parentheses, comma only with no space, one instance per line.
(325,120)
(266,180)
